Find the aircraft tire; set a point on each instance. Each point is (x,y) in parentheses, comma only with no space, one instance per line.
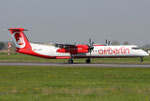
(88,61)
(70,61)
(141,59)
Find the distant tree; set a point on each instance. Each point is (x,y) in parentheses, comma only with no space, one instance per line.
(2,45)
(115,42)
(126,43)
(147,46)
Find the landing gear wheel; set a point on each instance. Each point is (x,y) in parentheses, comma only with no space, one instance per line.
(141,59)
(70,61)
(88,61)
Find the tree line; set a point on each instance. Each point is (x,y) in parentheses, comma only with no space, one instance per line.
(4,45)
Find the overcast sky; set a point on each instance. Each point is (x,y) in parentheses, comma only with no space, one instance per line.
(69,21)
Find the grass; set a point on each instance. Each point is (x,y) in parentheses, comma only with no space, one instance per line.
(34,83)
(43,83)
(26,58)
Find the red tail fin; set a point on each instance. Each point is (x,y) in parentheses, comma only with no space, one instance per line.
(20,40)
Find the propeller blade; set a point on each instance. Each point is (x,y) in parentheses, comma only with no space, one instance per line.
(90,41)
(90,45)
(109,43)
(106,41)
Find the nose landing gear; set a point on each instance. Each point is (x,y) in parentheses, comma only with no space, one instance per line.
(141,59)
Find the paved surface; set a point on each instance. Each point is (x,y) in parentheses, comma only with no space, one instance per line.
(76,65)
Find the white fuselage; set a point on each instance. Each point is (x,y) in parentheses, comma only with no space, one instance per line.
(97,52)
(63,51)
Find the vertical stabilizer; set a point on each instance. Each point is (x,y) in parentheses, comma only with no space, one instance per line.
(20,40)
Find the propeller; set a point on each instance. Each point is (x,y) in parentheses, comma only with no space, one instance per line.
(107,42)
(91,44)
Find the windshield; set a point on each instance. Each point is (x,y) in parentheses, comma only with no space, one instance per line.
(135,48)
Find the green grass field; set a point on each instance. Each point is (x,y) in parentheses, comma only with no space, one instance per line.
(22,83)
(26,58)
(44,83)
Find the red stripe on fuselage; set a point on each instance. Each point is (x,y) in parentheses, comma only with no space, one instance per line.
(30,52)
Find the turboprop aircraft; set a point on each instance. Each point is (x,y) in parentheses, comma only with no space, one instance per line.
(68,51)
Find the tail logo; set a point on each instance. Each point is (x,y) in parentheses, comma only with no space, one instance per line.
(19,40)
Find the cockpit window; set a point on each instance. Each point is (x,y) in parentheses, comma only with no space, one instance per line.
(136,48)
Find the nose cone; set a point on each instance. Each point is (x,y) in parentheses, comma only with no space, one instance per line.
(145,54)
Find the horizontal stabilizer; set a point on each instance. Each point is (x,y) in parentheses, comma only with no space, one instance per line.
(17,29)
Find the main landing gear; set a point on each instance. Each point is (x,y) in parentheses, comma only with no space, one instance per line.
(70,61)
(141,59)
(88,60)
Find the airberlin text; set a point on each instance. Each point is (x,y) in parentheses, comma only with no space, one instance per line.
(109,50)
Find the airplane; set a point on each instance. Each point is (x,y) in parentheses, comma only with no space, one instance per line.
(70,51)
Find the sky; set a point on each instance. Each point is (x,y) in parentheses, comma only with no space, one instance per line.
(75,21)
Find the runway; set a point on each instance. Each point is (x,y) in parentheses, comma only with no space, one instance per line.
(76,65)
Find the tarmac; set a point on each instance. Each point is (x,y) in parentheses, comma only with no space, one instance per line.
(75,65)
